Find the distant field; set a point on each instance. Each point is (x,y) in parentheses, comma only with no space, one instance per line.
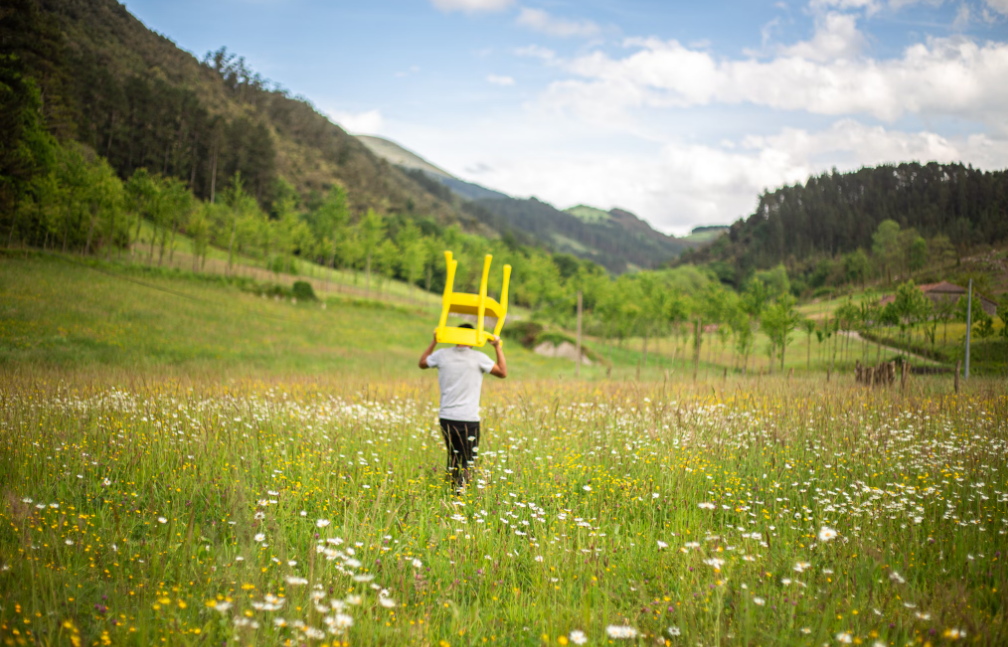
(706,235)
(60,313)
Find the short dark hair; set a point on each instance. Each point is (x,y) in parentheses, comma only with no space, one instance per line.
(467,326)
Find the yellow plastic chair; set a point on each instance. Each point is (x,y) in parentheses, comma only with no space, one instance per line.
(471,304)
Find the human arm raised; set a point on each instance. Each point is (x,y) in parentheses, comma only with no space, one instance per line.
(500,367)
(427,353)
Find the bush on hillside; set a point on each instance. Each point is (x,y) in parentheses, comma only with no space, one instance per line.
(303,291)
(524,332)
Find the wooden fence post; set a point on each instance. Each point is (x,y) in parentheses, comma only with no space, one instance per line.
(696,344)
(577,370)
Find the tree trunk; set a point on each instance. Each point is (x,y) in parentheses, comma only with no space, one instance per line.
(644,362)
(234,225)
(10,235)
(710,349)
(171,250)
(195,161)
(153,239)
(213,174)
(696,344)
(90,233)
(367,274)
(136,237)
(111,236)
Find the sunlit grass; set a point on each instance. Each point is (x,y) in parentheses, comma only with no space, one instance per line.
(187,512)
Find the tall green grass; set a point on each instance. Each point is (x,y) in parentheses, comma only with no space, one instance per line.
(180,511)
(184,462)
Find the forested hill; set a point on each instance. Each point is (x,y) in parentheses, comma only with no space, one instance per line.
(836,213)
(621,243)
(137,99)
(615,239)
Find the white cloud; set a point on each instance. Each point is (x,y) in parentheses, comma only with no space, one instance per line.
(535,51)
(899,4)
(359,123)
(1000,6)
(869,6)
(962,19)
(836,37)
(471,6)
(943,77)
(682,185)
(541,21)
(500,80)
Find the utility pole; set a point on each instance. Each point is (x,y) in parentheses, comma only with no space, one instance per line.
(969,325)
(577,370)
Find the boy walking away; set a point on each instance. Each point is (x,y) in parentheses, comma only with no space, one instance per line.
(460,377)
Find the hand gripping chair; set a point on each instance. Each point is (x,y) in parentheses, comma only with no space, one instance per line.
(471,304)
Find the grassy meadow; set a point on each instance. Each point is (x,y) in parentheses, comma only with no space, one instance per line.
(184,462)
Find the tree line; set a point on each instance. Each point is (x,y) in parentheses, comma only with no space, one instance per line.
(835,214)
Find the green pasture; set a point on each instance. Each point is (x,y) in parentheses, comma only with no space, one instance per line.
(186,462)
(60,312)
(146,509)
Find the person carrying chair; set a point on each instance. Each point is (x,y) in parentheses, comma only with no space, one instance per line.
(460,378)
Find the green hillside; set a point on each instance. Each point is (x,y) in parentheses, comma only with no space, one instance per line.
(618,240)
(701,235)
(135,98)
(399,156)
(588,214)
(57,312)
(620,243)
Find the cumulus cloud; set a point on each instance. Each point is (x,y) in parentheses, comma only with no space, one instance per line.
(1000,6)
(943,77)
(471,6)
(500,80)
(684,184)
(359,123)
(542,21)
(836,37)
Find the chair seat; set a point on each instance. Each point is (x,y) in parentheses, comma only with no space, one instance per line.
(478,305)
(463,303)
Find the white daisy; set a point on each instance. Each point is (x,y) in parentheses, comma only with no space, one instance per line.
(826,533)
(621,632)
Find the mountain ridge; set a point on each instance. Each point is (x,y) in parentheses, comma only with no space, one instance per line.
(616,239)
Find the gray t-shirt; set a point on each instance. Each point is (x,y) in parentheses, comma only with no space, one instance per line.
(460,376)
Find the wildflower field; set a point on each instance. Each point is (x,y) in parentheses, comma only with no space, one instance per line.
(314,512)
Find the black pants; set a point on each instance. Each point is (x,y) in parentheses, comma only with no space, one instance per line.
(462,442)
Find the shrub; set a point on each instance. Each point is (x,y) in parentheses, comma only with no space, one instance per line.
(302,290)
(524,332)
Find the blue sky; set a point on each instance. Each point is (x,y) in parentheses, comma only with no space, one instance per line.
(680,112)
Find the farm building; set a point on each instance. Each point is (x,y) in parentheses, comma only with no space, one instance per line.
(945,291)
